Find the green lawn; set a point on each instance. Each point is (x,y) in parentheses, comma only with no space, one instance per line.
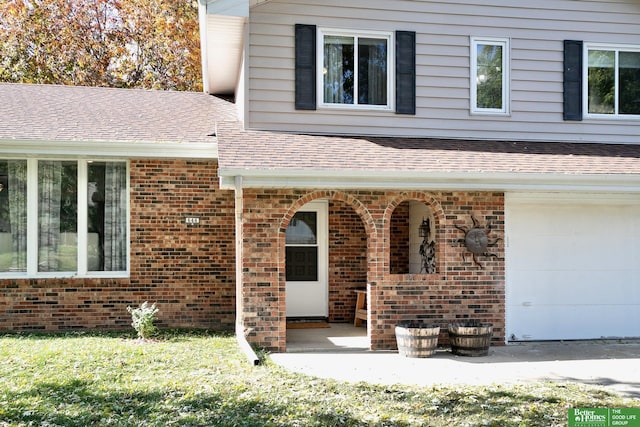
(197,378)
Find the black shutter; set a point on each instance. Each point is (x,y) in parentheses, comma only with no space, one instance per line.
(305,67)
(405,72)
(572,80)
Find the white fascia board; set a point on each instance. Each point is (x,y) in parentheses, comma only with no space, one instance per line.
(106,149)
(415,180)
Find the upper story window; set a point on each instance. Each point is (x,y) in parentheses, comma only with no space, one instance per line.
(63,218)
(362,70)
(490,75)
(612,81)
(355,69)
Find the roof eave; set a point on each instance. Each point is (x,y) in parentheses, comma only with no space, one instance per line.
(440,180)
(108,149)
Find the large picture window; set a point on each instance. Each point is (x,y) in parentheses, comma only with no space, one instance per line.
(63,217)
(613,81)
(355,69)
(490,76)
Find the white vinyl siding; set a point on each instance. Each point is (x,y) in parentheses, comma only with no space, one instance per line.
(536,32)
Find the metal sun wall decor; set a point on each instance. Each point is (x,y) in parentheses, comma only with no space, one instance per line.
(476,240)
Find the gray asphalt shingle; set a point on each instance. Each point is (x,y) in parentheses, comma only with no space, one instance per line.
(93,114)
(289,152)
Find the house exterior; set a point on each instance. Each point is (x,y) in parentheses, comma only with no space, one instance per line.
(457,160)
(512,130)
(108,198)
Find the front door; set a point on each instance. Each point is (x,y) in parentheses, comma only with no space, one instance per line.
(306,262)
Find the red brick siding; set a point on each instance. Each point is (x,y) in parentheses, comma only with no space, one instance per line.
(460,290)
(188,270)
(464,290)
(347,261)
(399,240)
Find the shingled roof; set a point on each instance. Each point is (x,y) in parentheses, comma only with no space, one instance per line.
(95,114)
(66,116)
(278,151)
(282,159)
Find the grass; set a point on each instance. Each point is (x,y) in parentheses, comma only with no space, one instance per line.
(200,378)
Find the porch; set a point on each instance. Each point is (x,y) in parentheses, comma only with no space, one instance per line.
(404,246)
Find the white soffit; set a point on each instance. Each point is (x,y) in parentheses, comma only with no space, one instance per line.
(224,52)
(128,150)
(231,7)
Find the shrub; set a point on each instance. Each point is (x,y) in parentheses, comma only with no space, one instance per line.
(143,318)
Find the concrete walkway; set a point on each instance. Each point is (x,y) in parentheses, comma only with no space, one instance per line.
(340,352)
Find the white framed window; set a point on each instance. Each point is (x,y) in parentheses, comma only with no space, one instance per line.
(62,218)
(611,81)
(490,92)
(356,69)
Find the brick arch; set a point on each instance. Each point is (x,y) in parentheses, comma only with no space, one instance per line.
(350,200)
(438,215)
(428,199)
(368,224)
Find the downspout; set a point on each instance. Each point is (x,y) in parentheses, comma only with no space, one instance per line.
(240,333)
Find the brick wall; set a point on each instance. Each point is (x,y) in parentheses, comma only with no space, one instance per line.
(188,270)
(460,290)
(347,261)
(399,240)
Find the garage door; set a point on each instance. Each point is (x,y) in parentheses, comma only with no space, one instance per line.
(572,267)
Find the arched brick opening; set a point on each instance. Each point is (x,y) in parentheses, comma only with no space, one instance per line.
(351,232)
(348,199)
(397,297)
(437,213)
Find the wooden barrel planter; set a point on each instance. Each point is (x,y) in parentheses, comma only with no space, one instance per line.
(470,338)
(417,339)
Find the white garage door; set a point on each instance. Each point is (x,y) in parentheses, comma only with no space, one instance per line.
(572,267)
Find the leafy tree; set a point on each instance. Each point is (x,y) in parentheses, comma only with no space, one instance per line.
(163,44)
(119,43)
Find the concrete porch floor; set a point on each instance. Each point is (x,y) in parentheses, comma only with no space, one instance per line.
(337,337)
(341,352)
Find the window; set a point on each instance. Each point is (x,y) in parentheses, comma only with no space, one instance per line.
(348,69)
(302,248)
(612,81)
(355,69)
(63,217)
(13,216)
(490,76)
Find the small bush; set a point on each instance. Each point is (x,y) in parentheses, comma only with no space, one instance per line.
(143,318)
